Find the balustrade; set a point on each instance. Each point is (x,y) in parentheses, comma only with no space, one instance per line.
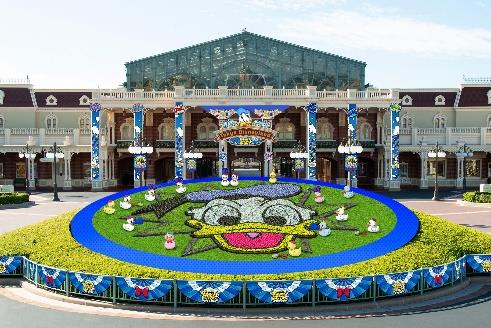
(24,131)
(59,131)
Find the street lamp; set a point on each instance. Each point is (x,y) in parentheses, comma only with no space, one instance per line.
(350,148)
(140,152)
(299,154)
(464,152)
(55,153)
(28,155)
(436,153)
(191,155)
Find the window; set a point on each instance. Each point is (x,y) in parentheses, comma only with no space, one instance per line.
(84,122)
(473,168)
(51,121)
(51,100)
(403,170)
(365,131)
(407,100)
(406,122)
(439,121)
(126,131)
(285,129)
(325,130)
(2,122)
(2,95)
(489,97)
(166,129)
(439,100)
(206,129)
(20,170)
(432,166)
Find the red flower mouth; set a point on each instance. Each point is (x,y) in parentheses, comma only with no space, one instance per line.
(253,239)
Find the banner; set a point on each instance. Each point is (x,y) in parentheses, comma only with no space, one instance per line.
(210,291)
(179,137)
(344,289)
(94,155)
(139,160)
(89,283)
(279,291)
(394,144)
(312,141)
(250,131)
(144,289)
(439,275)
(398,283)
(9,264)
(50,277)
(480,263)
(352,134)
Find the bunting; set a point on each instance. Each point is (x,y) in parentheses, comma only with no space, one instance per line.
(89,283)
(344,289)
(50,277)
(144,289)
(398,283)
(210,291)
(480,263)
(279,291)
(9,264)
(439,275)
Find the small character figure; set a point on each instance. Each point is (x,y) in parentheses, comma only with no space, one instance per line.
(150,194)
(126,203)
(225,181)
(109,208)
(170,241)
(235,180)
(128,226)
(347,193)
(179,185)
(293,250)
(340,214)
(324,230)
(373,226)
(318,195)
(272,177)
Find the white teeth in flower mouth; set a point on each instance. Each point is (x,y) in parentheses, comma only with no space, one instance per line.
(253,234)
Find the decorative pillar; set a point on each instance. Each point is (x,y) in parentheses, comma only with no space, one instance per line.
(352,128)
(222,156)
(312,141)
(460,171)
(423,182)
(31,177)
(67,183)
(395,181)
(268,158)
(95,109)
(137,140)
(179,139)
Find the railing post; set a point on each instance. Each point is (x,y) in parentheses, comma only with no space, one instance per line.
(244,298)
(67,285)
(36,276)
(114,290)
(374,288)
(174,284)
(313,294)
(421,281)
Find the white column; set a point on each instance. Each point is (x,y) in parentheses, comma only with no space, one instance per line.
(423,182)
(268,164)
(67,182)
(32,181)
(460,172)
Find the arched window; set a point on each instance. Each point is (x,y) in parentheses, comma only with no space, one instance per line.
(407,100)
(439,100)
(2,122)
(285,129)
(365,131)
(406,122)
(325,130)
(166,129)
(51,121)
(489,97)
(84,122)
(439,121)
(126,131)
(206,129)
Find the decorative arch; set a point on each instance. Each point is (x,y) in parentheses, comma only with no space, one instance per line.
(285,129)
(166,129)
(84,122)
(206,129)
(51,101)
(439,100)
(364,130)
(407,100)
(440,121)
(406,121)
(51,121)
(325,130)
(126,129)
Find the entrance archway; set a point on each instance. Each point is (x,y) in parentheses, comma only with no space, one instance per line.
(164,169)
(366,171)
(206,167)
(125,171)
(326,169)
(247,166)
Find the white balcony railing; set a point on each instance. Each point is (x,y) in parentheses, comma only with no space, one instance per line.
(24,131)
(488,130)
(59,131)
(429,131)
(466,130)
(84,132)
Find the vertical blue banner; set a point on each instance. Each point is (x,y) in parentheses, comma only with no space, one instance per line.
(138,110)
(95,109)
(352,128)
(395,110)
(312,141)
(179,135)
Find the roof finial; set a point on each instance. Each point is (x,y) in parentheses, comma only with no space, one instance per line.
(244,29)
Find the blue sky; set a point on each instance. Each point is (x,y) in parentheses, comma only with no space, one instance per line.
(84,44)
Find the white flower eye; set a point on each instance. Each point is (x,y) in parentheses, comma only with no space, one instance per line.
(281,214)
(221,215)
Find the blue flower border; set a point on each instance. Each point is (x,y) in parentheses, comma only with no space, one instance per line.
(406,227)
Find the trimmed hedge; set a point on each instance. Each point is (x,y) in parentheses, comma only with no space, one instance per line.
(13,198)
(477,197)
(437,242)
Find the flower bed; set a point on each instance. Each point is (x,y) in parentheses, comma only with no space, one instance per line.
(13,198)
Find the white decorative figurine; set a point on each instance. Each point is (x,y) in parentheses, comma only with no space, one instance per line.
(128,226)
(235,180)
(324,230)
(179,185)
(347,192)
(150,195)
(340,214)
(373,226)
(318,195)
(225,181)
(126,203)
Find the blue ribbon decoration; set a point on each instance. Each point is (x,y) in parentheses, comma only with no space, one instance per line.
(480,263)
(209,291)
(50,277)
(438,276)
(398,283)
(95,133)
(352,132)
(144,289)
(179,137)
(394,145)
(312,141)
(89,283)
(279,291)
(9,264)
(344,289)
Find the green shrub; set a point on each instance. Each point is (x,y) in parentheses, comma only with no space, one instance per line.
(477,197)
(437,242)
(13,198)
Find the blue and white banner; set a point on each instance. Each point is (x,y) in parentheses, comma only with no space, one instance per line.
(179,136)
(480,263)
(9,264)
(395,110)
(279,291)
(50,277)
(144,289)
(210,291)
(398,283)
(352,134)
(344,289)
(138,111)
(439,275)
(89,283)
(95,134)
(459,267)
(312,141)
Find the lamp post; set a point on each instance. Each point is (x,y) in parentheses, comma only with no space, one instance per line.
(55,153)
(350,148)
(299,153)
(137,149)
(436,153)
(464,152)
(28,155)
(191,155)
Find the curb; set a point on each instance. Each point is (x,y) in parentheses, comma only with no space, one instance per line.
(471,204)
(19,205)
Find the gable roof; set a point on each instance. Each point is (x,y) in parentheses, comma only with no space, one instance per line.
(17,97)
(257,36)
(474,96)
